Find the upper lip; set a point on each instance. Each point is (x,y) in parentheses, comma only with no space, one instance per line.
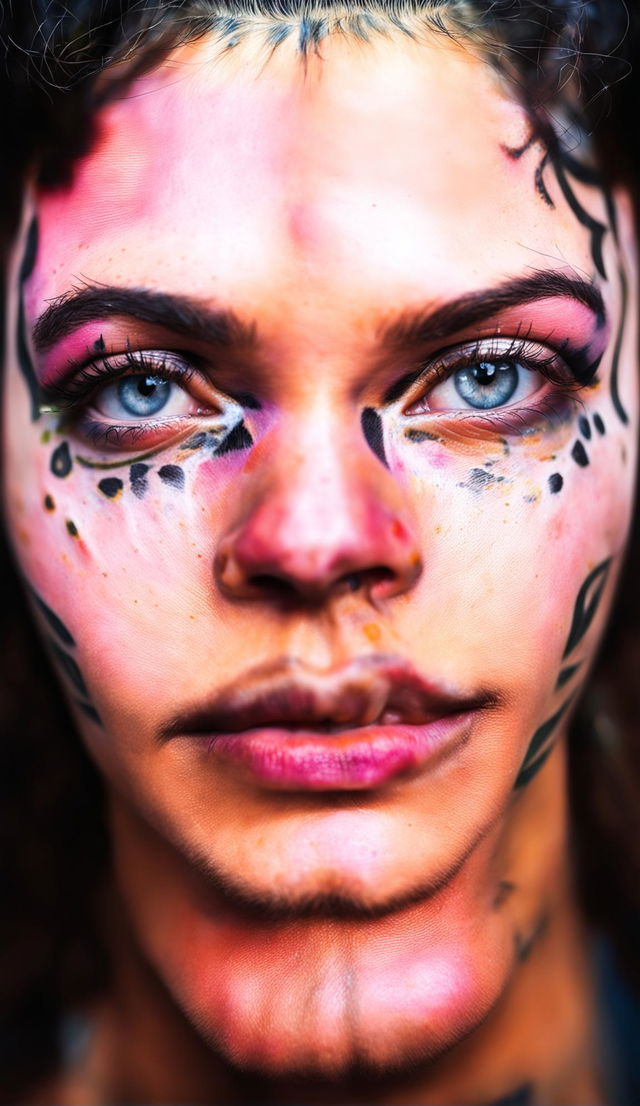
(373,689)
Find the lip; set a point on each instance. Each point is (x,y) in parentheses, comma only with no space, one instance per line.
(360,726)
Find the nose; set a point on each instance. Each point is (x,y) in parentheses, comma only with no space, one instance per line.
(319,519)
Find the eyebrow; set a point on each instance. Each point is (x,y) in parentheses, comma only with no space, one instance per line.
(181,314)
(187,316)
(433,325)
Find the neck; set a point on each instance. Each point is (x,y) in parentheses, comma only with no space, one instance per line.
(538,1044)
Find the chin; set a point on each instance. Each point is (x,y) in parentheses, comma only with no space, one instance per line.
(334,996)
(365,1006)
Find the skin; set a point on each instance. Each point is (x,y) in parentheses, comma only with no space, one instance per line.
(436,909)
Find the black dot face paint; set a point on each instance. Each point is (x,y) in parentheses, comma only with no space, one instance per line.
(372,429)
(61,463)
(72,529)
(599,425)
(579,454)
(584,427)
(138,479)
(111,487)
(413,435)
(478,479)
(172,475)
(22,341)
(196,442)
(49,504)
(555,482)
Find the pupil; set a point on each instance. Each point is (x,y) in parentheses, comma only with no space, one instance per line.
(147,386)
(485,372)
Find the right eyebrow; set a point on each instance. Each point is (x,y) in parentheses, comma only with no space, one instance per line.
(180,314)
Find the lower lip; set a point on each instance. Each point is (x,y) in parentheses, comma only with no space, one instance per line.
(360,759)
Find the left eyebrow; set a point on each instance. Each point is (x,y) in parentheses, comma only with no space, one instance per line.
(181,314)
(439,323)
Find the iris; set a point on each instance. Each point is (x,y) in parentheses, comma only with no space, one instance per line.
(487,384)
(144,395)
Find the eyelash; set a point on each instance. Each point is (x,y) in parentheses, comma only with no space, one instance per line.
(71,392)
(564,368)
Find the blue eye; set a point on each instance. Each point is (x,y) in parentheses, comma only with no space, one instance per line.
(488,384)
(144,395)
(485,376)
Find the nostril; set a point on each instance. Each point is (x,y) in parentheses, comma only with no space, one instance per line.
(277,586)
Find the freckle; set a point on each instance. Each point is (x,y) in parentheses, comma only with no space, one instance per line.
(555,482)
(598,422)
(111,486)
(579,454)
(61,463)
(72,529)
(173,475)
(585,428)
(372,632)
(49,504)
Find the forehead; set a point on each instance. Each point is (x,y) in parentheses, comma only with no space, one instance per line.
(374,162)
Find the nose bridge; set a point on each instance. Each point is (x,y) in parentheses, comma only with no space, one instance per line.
(323,509)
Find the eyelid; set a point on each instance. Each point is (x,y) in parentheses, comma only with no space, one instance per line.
(83,380)
(533,354)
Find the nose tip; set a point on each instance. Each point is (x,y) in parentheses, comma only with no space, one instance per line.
(273,554)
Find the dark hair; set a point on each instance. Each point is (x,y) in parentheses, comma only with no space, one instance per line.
(568,54)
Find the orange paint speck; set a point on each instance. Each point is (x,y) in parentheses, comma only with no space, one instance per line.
(372,632)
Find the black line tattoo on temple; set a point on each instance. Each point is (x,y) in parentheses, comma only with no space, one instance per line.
(584,611)
(566,166)
(22,338)
(61,643)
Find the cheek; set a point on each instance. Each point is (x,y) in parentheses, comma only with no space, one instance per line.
(509,529)
(124,556)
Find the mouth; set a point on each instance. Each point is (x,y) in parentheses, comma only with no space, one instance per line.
(360,726)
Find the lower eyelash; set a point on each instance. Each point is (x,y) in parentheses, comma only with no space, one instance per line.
(101,433)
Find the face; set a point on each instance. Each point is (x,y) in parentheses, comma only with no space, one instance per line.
(320,420)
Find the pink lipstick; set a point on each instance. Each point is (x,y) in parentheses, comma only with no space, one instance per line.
(357,727)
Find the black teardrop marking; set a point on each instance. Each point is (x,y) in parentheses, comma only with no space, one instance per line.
(238,439)
(61,463)
(372,429)
(555,482)
(579,454)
